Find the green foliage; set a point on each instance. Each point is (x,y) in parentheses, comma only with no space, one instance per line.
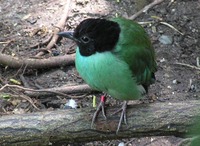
(5,96)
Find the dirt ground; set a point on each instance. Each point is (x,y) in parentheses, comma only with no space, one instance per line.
(24,23)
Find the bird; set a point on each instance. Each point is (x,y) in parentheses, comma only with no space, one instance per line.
(114,56)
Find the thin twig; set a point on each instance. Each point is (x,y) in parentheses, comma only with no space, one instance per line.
(60,25)
(29,89)
(7,43)
(172,27)
(198,64)
(42,43)
(26,98)
(188,65)
(63,89)
(145,9)
(69,89)
(23,80)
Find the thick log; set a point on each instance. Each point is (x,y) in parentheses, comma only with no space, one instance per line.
(73,125)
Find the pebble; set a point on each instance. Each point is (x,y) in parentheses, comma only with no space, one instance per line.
(165,39)
(174,81)
(121,144)
(71,104)
(162,60)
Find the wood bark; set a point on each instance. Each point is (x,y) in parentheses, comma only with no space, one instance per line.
(73,125)
(63,89)
(15,62)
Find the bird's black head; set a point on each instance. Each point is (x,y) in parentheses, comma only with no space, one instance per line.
(94,35)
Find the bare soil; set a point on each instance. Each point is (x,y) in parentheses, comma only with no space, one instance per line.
(24,23)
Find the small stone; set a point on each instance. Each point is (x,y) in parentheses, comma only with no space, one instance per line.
(169,87)
(71,104)
(174,81)
(165,39)
(162,60)
(121,144)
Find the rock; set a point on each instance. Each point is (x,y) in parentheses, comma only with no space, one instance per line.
(165,39)
(121,144)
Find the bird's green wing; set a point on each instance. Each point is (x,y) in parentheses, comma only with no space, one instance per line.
(135,48)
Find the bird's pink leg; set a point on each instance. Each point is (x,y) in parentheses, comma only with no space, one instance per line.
(101,107)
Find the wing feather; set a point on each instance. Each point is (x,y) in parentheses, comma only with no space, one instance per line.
(135,48)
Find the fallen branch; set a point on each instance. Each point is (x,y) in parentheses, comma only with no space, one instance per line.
(59,27)
(15,62)
(63,90)
(145,9)
(69,126)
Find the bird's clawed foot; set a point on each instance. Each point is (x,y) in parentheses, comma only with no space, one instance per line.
(123,115)
(101,107)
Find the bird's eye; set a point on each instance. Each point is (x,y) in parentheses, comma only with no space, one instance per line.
(85,39)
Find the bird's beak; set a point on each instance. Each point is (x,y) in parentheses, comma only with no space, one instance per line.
(69,35)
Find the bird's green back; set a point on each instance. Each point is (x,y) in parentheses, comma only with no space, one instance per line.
(134,46)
